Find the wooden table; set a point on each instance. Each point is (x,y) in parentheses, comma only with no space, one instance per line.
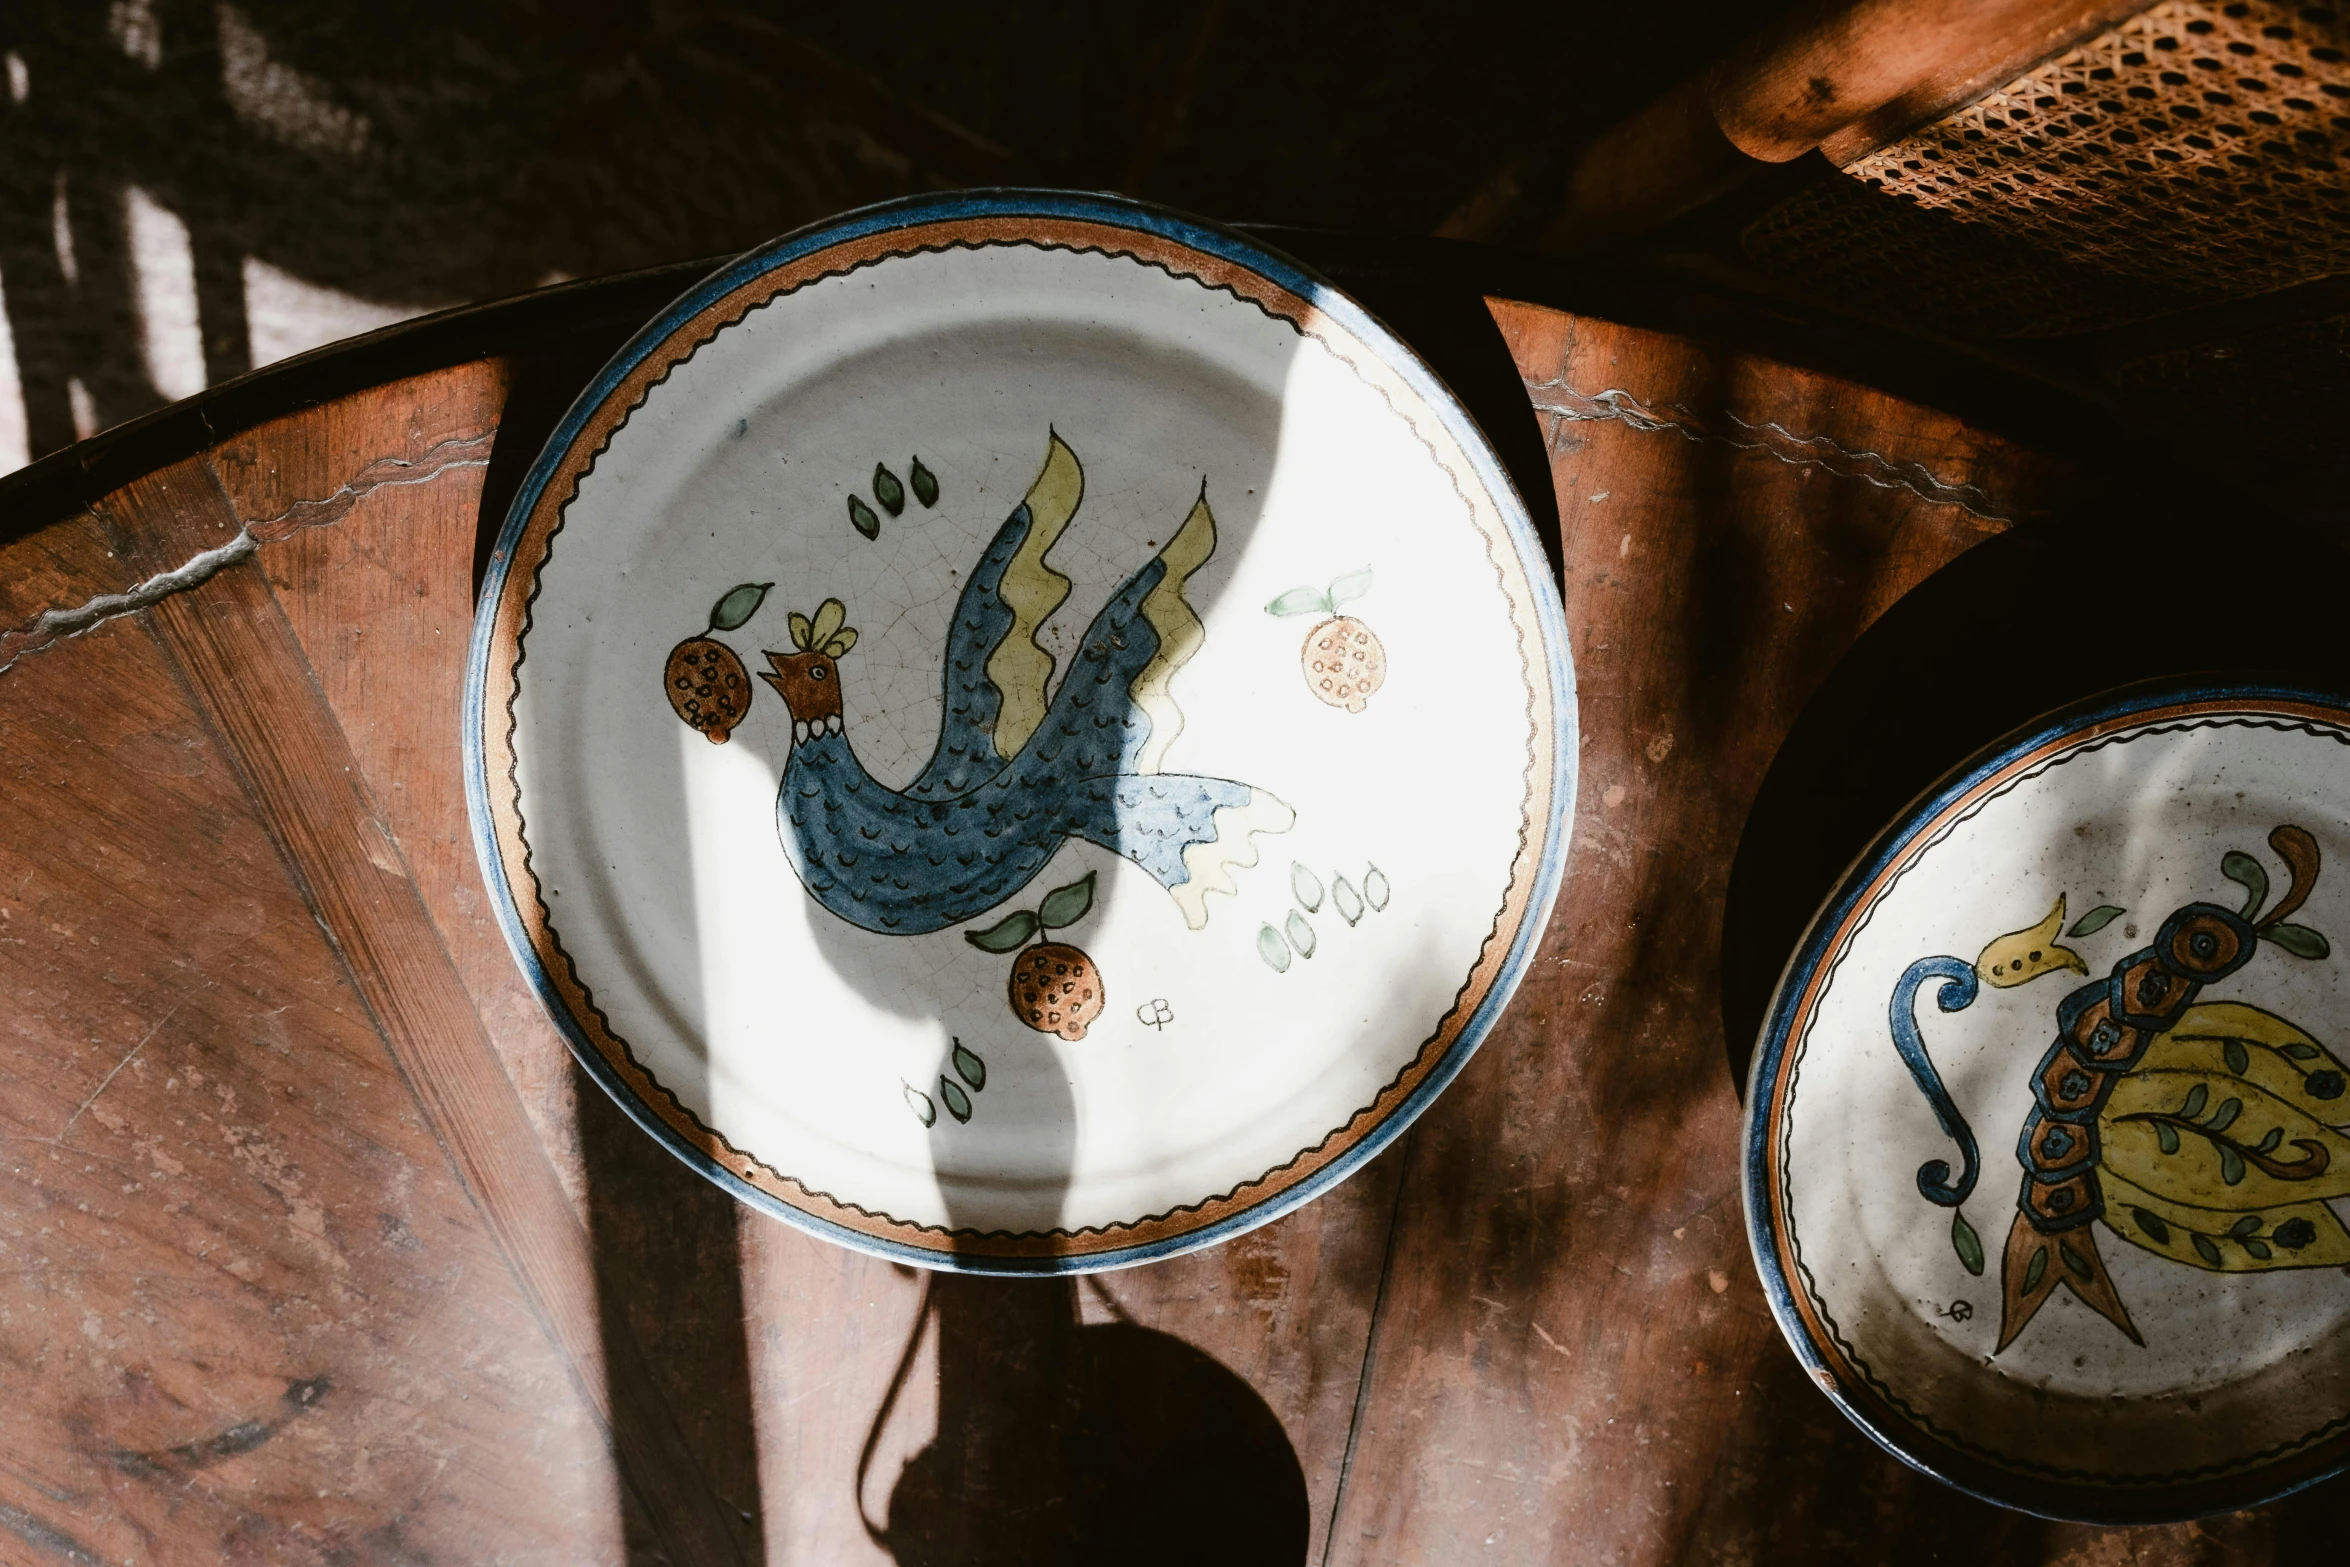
(315,1247)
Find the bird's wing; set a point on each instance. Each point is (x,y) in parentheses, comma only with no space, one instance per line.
(993,685)
(1114,713)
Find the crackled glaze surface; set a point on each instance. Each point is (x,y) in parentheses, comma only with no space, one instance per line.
(2049,1144)
(1021,732)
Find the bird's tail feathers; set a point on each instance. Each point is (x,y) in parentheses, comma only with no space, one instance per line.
(1191,833)
(1179,630)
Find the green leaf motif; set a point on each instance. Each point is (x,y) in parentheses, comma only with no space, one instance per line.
(2268,1144)
(1349,901)
(2299,940)
(2096,919)
(1273,950)
(862,516)
(888,491)
(2225,1116)
(1066,905)
(2258,1249)
(738,605)
(2167,1135)
(1350,587)
(2231,1165)
(2239,1059)
(1012,931)
(958,1102)
(925,484)
(2207,1251)
(2247,873)
(2247,1225)
(969,1067)
(919,1102)
(2301,1050)
(2197,1098)
(1300,601)
(1307,886)
(1301,934)
(1966,1243)
(2074,1264)
(2152,1225)
(2034,1269)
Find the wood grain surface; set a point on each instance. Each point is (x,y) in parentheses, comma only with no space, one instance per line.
(314,1247)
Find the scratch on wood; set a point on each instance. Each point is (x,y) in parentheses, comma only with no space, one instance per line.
(1770,438)
(118,1066)
(239,1439)
(57,625)
(48,1537)
(1354,1428)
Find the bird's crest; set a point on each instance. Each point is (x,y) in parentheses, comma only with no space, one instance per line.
(825,634)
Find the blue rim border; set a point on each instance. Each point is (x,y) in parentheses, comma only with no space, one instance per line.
(1979,1478)
(1120,212)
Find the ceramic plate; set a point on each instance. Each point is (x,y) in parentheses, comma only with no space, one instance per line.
(2048,1149)
(1020,732)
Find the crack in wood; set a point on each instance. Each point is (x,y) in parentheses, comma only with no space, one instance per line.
(384,473)
(53,626)
(1770,438)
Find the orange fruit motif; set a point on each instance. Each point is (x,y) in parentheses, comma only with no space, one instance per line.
(1344,662)
(1343,659)
(1056,989)
(708,686)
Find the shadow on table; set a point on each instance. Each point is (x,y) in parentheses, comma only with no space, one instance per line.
(669,1283)
(1060,1442)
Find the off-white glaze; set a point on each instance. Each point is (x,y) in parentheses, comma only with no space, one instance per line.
(789,1030)
(2233,1364)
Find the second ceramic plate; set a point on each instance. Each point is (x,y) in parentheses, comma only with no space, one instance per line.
(2048,1140)
(1021,732)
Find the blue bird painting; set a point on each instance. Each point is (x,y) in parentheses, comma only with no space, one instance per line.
(1018,770)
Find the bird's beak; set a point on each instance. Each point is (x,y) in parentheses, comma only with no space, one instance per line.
(2027,954)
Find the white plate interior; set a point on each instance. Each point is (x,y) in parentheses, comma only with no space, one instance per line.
(795,1034)
(2234,1365)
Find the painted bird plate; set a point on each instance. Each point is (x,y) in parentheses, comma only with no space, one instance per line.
(1020,732)
(2048,1143)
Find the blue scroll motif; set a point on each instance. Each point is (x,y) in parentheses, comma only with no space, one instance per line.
(1954,996)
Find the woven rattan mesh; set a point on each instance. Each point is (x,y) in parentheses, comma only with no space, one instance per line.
(2196,145)
(1837,239)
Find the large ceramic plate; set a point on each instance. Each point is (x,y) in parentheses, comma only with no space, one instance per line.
(2048,1149)
(1020,732)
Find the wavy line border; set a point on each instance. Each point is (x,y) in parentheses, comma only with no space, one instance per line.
(1116,230)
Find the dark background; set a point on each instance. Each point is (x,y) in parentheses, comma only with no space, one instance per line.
(442,151)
